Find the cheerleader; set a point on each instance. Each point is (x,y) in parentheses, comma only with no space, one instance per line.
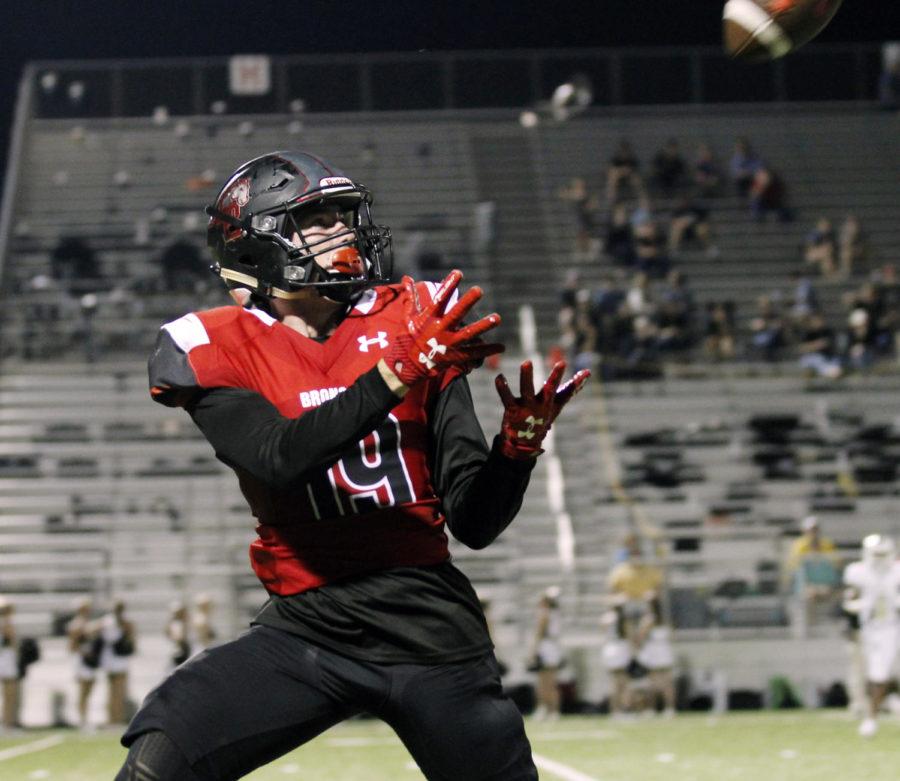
(655,653)
(9,667)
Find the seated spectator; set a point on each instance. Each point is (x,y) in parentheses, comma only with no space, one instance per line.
(767,330)
(583,333)
(820,248)
(813,568)
(73,261)
(690,222)
(852,247)
(639,296)
(650,255)
(623,174)
(889,86)
(881,302)
(804,299)
(669,169)
(619,243)
(862,340)
(743,166)
(674,313)
(182,267)
(768,194)
(585,207)
(707,175)
(818,348)
(719,330)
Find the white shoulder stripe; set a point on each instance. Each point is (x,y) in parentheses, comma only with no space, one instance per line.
(366,301)
(263,317)
(187,332)
(758,23)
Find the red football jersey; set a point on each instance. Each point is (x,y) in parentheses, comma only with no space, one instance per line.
(374,507)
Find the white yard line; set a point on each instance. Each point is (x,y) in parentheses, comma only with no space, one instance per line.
(562,771)
(28,748)
(551,766)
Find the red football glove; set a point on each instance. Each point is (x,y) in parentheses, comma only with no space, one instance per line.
(527,418)
(432,342)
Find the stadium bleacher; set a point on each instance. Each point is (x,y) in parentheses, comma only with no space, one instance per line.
(114,495)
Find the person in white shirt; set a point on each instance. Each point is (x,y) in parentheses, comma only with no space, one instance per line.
(873,593)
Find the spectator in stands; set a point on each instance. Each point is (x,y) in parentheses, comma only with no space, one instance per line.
(654,643)
(767,330)
(9,665)
(86,645)
(619,242)
(820,248)
(583,337)
(889,86)
(862,340)
(650,254)
(690,222)
(118,635)
(623,174)
(73,262)
(674,313)
(585,206)
(707,174)
(669,169)
(852,246)
(743,166)
(178,631)
(203,630)
(818,348)
(768,193)
(804,299)
(813,569)
(634,578)
(547,654)
(719,330)
(183,267)
(617,655)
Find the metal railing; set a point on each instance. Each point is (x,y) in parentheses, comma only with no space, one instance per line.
(453,80)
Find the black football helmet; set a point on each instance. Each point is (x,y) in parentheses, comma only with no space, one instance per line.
(262,206)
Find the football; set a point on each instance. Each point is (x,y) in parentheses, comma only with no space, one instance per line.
(766,29)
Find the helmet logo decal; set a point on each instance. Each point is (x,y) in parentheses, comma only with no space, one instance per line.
(239,194)
(233,201)
(331,181)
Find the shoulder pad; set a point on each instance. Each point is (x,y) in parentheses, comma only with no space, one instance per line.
(188,357)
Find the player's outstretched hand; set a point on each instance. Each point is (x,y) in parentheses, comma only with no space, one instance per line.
(527,418)
(434,339)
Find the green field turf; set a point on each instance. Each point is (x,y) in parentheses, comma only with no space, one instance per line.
(762,746)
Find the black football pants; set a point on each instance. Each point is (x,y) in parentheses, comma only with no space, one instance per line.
(241,705)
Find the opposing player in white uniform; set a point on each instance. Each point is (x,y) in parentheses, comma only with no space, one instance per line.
(873,593)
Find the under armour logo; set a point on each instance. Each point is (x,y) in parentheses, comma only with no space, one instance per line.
(436,347)
(528,433)
(380,339)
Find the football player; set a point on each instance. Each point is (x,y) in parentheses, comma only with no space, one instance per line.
(873,594)
(342,405)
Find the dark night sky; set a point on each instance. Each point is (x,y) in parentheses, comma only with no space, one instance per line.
(97,29)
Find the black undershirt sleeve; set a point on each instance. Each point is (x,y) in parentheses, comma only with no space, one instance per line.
(247,431)
(481,490)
